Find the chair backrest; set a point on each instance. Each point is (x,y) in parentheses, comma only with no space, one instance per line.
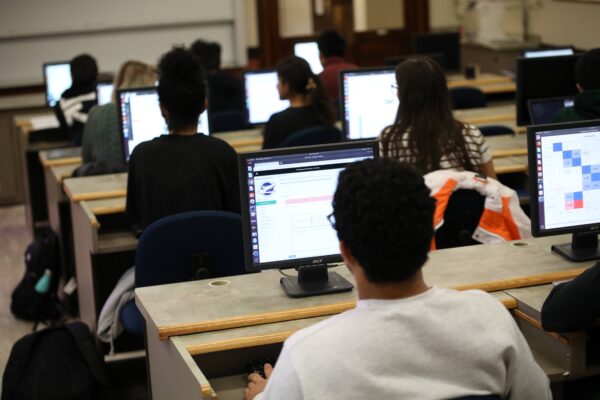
(467,97)
(461,218)
(314,135)
(227,121)
(186,246)
(494,130)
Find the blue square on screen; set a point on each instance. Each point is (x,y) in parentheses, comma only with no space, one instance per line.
(577,162)
(569,197)
(578,196)
(586,169)
(568,163)
(576,153)
(567,154)
(596,177)
(557,147)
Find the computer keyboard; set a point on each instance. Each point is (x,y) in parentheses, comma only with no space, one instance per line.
(258,366)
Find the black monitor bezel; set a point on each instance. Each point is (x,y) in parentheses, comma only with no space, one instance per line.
(44,65)
(524,120)
(450,34)
(120,113)
(254,72)
(343,110)
(525,51)
(533,185)
(530,101)
(245,199)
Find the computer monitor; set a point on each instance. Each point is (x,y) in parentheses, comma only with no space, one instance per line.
(310,52)
(369,101)
(141,119)
(57,79)
(548,52)
(262,97)
(286,201)
(565,159)
(543,111)
(542,78)
(104,92)
(447,43)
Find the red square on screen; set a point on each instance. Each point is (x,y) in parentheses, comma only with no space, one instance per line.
(578,204)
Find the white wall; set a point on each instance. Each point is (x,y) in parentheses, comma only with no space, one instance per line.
(565,23)
(295,18)
(60,29)
(251,24)
(443,15)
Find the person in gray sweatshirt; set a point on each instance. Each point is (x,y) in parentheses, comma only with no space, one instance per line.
(405,339)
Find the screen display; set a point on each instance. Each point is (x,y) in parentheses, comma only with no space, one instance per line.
(141,119)
(262,97)
(104,91)
(289,198)
(58,79)
(548,53)
(568,177)
(543,111)
(310,52)
(370,102)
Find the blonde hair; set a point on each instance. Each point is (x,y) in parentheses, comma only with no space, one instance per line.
(134,74)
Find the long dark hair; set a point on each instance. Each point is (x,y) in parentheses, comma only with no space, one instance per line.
(425,115)
(296,72)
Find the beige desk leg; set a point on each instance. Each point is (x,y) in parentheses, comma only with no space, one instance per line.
(170,373)
(85,236)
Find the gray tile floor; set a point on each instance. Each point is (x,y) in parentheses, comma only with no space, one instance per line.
(14,237)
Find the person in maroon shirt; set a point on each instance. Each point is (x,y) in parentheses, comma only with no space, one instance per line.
(331,51)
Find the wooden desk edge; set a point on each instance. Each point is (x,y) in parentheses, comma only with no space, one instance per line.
(90,214)
(59,162)
(271,338)
(94,196)
(330,309)
(106,210)
(509,153)
(509,169)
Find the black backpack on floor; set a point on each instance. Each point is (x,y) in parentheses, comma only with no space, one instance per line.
(55,363)
(41,254)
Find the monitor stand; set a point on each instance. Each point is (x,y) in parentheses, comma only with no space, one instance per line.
(583,247)
(314,280)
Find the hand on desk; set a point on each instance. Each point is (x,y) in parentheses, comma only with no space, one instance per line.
(256,383)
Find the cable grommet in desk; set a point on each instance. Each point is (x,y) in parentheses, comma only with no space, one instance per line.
(218,283)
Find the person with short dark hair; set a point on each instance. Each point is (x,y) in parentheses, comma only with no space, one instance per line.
(425,133)
(182,171)
(309,106)
(75,102)
(332,48)
(587,102)
(404,339)
(225,91)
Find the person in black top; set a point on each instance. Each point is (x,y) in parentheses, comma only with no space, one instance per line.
(225,91)
(76,101)
(309,106)
(182,171)
(574,305)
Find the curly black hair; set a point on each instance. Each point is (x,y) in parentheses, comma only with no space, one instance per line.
(384,214)
(181,87)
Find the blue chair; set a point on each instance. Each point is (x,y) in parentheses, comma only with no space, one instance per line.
(227,121)
(467,97)
(314,135)
(495,130)
(184,247)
